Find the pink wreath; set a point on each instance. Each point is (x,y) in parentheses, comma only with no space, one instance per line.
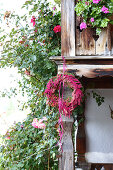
(53,92)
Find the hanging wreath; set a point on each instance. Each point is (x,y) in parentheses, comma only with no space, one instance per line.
(54,93)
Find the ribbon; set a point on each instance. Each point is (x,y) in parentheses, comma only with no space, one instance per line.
(60,106)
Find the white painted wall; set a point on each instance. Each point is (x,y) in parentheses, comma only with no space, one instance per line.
(99,128)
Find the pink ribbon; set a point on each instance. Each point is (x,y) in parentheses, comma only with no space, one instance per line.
(60,105)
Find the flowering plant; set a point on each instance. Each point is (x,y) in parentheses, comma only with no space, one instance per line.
(39,124)
(57,29)
(31,41)
(53,93)
(94,13)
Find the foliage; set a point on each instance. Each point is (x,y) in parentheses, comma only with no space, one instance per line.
(58,2)
(95,13)
(28,148)
(99,99)
(28,47)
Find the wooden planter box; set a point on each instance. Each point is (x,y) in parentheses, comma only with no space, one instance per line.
(86,45)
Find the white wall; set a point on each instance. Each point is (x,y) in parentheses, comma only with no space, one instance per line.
(99,128)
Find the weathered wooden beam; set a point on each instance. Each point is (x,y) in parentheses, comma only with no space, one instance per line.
(67,27)
(89,71)
(67,158)
(93,57)
(66,162)
(87,67)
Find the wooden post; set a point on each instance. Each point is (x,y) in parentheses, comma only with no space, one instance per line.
(68,27)
(66,162)
(81,146)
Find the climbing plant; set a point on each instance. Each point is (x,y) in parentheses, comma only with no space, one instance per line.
(28,46)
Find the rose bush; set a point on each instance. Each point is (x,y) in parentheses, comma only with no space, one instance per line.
(28,47)
(26,147)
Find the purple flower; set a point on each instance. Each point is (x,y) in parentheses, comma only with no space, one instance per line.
(83,25)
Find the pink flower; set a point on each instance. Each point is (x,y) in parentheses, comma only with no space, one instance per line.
(44,118)
(21,126)
(8,137)
(96,1)
(54,8)
(33,20)
(54,14)
(35,124)
(92,19)
(104,9)
(27,72)
(57,29)
(83,25)
(87,3)
(39,124)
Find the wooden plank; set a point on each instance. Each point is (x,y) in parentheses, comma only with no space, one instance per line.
(68,28)
(102,42)
(105,82)
(86,45)
(103,166)
(101,57)
(83,60)
(89,71)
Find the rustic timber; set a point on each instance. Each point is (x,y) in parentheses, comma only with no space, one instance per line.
(82,57)
(109,37)
(105,82)
(103,166)
(89,71)
(87,67)
(67,27)
(66,162)
(87,45)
